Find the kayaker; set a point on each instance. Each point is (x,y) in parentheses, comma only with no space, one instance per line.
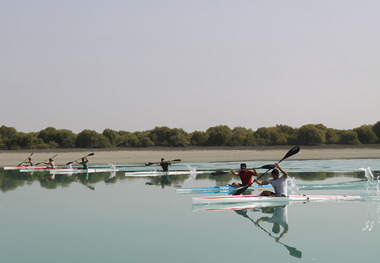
(279,183)
(29,161)
(164,165)
(51,163)
(84,163)
(245,175)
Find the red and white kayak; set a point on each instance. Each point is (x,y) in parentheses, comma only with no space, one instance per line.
(255,198)
(81,171)
(24,167)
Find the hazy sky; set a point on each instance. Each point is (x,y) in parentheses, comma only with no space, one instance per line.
(134,65)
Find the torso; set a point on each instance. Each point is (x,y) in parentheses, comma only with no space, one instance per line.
(280,185)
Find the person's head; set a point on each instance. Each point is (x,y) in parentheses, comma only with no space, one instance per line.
(162,160)
(83,159)
(50,159)
(275,174)
(30,159)
(243,167)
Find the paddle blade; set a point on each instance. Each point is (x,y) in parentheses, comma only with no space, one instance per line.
(219,173)
(293,251)
(291,152)
(268,167)
(147,164)
(91,154)
(176,160)
(69,163)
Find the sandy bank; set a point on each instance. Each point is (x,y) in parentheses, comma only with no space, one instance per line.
(221,154)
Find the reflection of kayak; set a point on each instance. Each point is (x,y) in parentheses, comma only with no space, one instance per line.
(237,206)
(253,198)
(217,189)
(161,173)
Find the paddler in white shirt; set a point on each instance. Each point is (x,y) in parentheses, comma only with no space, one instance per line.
(279,183)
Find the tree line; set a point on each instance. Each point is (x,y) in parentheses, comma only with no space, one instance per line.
(221,135)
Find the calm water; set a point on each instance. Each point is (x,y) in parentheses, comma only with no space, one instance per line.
(122,219)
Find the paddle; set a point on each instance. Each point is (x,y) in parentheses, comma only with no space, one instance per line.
(91,154)
(150,163)
(267,166)
(46,160)
(291,152)
(26,159)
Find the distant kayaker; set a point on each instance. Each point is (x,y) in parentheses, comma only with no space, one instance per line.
(279,183)
(29,161)
(245,175)
(84,163)
(164,164)
(51,163)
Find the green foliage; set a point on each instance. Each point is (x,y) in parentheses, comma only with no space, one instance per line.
(65,138)
(376,129)
(112,136)
(349,137)
(198,138)
(273,135)
(311,134)
(332,136)
(366,134)
(220,135)
(243,136)
(92,139)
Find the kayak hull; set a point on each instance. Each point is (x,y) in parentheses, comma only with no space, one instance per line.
(160,173)
(24,167)
(81,171)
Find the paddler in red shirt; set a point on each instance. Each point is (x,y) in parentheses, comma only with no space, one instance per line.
(245,175)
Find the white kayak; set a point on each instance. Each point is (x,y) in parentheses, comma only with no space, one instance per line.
(255,198)
(70,170)
(161,173)
(81,171)
(24,167)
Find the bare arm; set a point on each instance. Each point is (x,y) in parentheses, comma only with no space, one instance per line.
(261,182)
(235,173)
(282,170)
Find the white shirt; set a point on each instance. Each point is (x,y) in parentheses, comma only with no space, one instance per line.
(280,185)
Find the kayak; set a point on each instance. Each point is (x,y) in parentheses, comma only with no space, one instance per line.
(161,173)
(217,189)
(81,171)
(70,170)
(255,198)
(24,167)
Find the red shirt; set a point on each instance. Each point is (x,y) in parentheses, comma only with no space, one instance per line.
(246,177)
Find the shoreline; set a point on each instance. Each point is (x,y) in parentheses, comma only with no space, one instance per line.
(192,154)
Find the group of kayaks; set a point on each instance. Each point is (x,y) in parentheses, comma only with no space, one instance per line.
(58,170)
(230,199)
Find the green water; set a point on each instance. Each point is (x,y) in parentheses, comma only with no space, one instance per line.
(125,220)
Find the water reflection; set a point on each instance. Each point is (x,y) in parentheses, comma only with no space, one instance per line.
(160,181)
(278,219)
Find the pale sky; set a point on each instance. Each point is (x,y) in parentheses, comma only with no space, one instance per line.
(134,65)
